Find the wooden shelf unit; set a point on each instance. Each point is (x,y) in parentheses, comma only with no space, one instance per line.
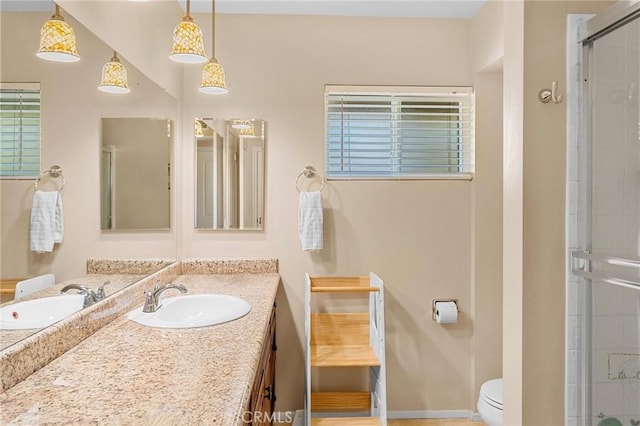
(346,339)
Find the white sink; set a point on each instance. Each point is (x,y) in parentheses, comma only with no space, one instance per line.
(38,313)
(191,311)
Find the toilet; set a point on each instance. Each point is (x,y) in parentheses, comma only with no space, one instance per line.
(490,402)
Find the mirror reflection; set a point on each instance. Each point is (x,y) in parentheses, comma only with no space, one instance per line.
(229,173)
(135,177)
(20,317)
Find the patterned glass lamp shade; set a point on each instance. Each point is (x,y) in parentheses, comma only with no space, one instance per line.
(247,132)
(58,41)
(188,44)
(114,77)
(241,124)
(213,82)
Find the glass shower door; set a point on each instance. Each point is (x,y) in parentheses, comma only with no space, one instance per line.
(612,243)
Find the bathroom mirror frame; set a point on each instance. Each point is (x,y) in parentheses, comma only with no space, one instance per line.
(120,169)
(230,161)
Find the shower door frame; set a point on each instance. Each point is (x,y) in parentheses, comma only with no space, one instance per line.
(601,24)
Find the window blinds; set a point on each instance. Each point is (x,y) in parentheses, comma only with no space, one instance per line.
(378,135)
(19,132)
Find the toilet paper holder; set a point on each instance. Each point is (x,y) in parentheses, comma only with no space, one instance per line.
(433,306)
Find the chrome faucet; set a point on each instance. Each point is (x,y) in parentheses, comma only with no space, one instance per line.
(90,296)
(152,300)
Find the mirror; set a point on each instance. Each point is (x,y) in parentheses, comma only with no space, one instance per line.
(118,279)
(230,156)
(135,174)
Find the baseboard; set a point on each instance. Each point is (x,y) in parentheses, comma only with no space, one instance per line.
(298,416)
(430,414)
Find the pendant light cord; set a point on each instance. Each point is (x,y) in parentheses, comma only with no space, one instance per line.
(213,29)
(188,8)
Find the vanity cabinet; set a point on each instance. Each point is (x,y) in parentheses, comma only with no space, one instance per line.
(263,393)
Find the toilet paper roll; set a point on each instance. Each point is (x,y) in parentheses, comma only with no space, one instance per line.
(446,312)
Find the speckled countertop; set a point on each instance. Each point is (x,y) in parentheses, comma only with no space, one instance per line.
(116,282)
(130,374)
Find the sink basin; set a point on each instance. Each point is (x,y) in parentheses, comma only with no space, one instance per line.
(38,313)
(191,311)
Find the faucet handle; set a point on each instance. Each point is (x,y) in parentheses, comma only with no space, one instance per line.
(149,301)
(100,293)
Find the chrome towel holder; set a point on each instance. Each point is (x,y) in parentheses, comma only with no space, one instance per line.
(309,172)
(54,171)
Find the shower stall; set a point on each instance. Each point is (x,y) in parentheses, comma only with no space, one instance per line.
(603,286)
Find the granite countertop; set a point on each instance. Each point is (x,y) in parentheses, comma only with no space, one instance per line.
(130,374)
(93,281)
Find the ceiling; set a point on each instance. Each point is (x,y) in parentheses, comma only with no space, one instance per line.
(381,8)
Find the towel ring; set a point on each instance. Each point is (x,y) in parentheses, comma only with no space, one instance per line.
(54,171)
(309,172)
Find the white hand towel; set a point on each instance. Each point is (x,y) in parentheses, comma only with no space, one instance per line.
(46,221)
(310,220)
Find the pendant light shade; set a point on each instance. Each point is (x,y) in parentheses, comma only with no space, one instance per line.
(114,77)
(58,40)
(250,131)
(241,124)
(213,80)
(188,44)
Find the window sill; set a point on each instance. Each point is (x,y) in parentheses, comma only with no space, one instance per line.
(437,177)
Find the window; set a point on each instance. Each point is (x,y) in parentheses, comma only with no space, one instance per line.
(19,130)
(399,133)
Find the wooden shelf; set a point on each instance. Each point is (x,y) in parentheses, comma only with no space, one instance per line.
(345,337)
(342,421)
(340,329)
(341,284)
(340,401)
(343,356)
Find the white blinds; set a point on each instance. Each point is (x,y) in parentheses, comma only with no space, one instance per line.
(20,131)
(377,135)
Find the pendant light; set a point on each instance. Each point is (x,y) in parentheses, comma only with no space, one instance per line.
(241,124)
(249,131)
(114,77)
(58,40)
(213,81)
(188,46)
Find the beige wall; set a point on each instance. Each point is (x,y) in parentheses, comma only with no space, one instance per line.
(71,112)
(534,210)
(487,47)
(418,236)
(138,27)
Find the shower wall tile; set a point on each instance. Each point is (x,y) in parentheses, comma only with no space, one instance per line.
(607,398)
(572,207)
(572,401)
(608,232)
(607,332)
(631,334)
(631,399)
(572,372)
(572,166)
(606,301)
(600,363)
(608,197)
(632,303)
(572,231)
(573,304)
(573,339)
